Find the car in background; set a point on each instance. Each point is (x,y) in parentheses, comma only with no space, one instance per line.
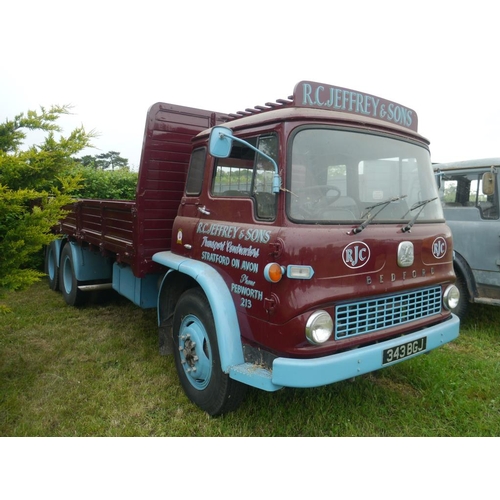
(470,198)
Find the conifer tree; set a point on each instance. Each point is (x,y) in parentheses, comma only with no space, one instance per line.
(36,182)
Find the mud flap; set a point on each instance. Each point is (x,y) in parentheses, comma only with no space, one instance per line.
(166,344)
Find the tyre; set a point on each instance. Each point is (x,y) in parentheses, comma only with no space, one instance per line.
(52,266)
(197,358)
(463,303)
(68,284)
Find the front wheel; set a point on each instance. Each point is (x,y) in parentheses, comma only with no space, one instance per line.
(197,358)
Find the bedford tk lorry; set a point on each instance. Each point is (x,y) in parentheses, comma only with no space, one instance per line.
(294,244)
(469,194)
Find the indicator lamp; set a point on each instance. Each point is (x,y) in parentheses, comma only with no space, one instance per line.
(273,272)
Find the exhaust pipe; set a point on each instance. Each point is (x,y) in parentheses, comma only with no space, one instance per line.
(92,288)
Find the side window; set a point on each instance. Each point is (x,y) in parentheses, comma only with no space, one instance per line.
(233,177)
(196,170)
(262,189)
(247,174)
(450,190)
(466,190)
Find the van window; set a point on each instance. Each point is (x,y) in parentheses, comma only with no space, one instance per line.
(466,190)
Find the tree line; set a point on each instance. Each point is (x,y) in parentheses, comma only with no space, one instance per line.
(103,161)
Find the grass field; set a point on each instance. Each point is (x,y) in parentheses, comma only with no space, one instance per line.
(96,371)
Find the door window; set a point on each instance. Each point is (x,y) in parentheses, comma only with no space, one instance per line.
(466,190)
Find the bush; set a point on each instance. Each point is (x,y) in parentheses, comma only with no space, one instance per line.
(34,188)
(108,185)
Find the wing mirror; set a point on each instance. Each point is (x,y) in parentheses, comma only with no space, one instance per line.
(220,142)
(488,183)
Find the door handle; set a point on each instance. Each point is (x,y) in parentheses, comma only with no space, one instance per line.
(203,210)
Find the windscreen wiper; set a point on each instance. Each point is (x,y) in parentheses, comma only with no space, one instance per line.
(382,205)
(419,204)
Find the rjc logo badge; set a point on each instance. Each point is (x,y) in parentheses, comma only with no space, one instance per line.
(439,247)
(356,254)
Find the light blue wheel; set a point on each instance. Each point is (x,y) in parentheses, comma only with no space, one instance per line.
(197,357)
(52,266)
(195,352)
(68,284)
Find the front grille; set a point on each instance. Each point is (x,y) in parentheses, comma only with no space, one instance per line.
(371,315)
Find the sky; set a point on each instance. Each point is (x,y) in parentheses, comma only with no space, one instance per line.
(112,60)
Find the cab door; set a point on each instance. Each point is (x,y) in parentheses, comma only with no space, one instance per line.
(190,206)
(237,227)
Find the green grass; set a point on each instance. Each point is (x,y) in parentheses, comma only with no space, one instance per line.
(96,371)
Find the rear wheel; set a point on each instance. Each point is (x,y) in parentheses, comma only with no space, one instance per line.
(52,266)
(197,357)
(68,284)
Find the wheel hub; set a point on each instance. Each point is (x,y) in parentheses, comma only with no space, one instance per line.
(194,352)
(188,352)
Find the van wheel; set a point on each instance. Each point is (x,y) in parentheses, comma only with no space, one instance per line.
(68,284)
(197,357)
(52,266)
(463,303)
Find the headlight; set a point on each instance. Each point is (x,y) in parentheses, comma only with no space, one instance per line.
(319,327)
(451,297)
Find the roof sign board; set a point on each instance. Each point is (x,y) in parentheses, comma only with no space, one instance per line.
(324,96)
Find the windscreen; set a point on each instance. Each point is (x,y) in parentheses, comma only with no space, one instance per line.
(340,176)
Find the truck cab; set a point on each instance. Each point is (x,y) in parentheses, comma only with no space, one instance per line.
(469,195)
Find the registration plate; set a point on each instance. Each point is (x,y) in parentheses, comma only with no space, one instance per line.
(404,350)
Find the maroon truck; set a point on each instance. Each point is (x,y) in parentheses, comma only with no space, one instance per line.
(294,244)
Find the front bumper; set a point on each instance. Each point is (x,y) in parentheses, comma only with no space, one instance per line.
(291,372)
